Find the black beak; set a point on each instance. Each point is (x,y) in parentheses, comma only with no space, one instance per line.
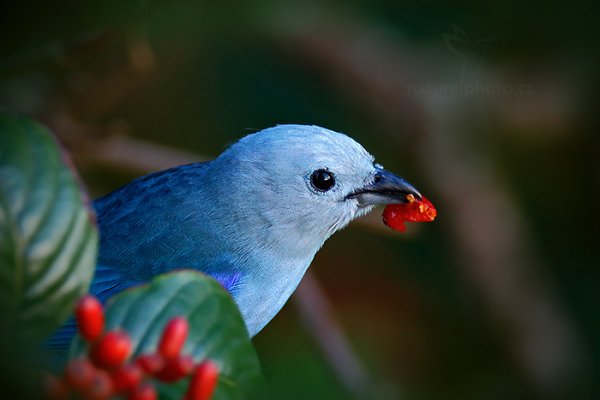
(386,188)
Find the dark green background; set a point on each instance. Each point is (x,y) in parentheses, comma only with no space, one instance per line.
(419,321)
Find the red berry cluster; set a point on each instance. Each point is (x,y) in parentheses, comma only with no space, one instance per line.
(106,372)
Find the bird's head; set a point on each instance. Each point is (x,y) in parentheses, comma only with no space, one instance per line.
(304,182)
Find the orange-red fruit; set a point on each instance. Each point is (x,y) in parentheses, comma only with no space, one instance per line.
(126,377)
(394,215)
(150,363)
(204,381)
(175,369)
(145,391)
(79,373)
(90,318)
(173,337)
(111,350)
(100,388)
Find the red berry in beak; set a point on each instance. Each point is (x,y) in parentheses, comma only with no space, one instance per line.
(394,215)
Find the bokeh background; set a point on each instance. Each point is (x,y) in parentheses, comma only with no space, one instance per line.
(491,109)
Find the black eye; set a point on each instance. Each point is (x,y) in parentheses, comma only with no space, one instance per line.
(322,180)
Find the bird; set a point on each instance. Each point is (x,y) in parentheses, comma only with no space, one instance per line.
(253,218)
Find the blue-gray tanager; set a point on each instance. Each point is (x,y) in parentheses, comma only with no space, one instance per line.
(253,218)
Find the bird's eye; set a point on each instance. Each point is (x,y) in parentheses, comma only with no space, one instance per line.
(322,180)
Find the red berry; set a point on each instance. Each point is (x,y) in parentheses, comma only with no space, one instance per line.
(150,363)
(90,318)
(175,369)
(394,215)
(394,218)
(55,388)
(79,373)
(100,388)
(173,337)
(111,350)
(204,381)
(145,391)
(127,377)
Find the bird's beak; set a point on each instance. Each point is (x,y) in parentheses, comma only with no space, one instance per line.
(386,188)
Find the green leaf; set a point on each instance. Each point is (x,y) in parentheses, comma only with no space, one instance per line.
(217,331)
(48,241)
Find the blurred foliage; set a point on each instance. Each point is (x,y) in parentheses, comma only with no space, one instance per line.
(197,77)
(49,236)
(48,247)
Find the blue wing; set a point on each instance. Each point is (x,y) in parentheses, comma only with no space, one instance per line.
(155,224)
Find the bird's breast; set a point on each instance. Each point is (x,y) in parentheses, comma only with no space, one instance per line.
(262,293)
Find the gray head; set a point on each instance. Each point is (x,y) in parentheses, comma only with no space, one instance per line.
(305,182)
